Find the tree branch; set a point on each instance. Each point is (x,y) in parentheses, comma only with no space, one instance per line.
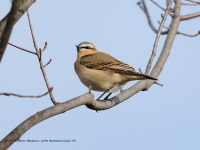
(143,6)
(190,16)
(23,49)
(43,115)
(6,24)
(161,7)
(39,55)
(185,34)
(195,2)
(25,96)
(148,67)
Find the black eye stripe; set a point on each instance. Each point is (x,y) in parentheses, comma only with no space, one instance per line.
(86,47)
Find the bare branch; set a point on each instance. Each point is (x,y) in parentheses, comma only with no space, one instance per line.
(178,32)
(6,24)
(143,6)
(23,49)
(41,116)
(168,43)
(196,2)
(9,26)
(190,16)
(189,35)
(189,4)
(39,55)
(171,14)
(157,37)
(32,33)
(25,96)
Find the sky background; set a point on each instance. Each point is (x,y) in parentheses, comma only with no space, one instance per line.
(162,118)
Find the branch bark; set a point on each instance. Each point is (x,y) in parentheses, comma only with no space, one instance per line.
(19,7)
(190,16)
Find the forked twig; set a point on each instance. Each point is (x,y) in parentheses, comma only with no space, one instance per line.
(185,34)
(143,6)
(39,54)
(157,37)
(171,14)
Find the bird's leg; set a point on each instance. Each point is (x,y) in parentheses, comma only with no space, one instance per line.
(105,93)
(102,95)
(107,96)
(90,89)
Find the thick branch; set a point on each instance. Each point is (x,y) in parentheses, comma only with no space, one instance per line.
(168,43)
(190,16)
(6,24)
(41,116)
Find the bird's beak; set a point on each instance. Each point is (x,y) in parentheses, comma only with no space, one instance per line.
(77,48)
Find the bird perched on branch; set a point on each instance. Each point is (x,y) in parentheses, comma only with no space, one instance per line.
(102,72)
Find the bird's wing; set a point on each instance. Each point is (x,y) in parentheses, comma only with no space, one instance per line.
(103,61)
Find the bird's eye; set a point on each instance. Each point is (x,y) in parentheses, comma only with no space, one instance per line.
(88,47)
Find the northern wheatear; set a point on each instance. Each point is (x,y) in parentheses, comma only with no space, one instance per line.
(102,72)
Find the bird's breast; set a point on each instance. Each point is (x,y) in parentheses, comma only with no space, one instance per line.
(100,80)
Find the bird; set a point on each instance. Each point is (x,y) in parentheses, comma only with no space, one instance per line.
(102,72)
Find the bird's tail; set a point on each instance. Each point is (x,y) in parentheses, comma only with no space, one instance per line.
(132,75)
(143,77)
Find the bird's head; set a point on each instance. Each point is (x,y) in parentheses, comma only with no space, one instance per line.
(85,48)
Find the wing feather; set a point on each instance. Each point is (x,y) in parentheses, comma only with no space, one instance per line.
(103,61)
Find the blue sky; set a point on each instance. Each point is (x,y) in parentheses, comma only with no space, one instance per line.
(164,118)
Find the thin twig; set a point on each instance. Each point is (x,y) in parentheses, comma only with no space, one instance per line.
(196,2)
(185,34)
(189,4)
(25,96)
(39,54)
(48,63)
(32,34)
(23,49)
(157,37)
(45,46)
(171,14)
(143,6)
